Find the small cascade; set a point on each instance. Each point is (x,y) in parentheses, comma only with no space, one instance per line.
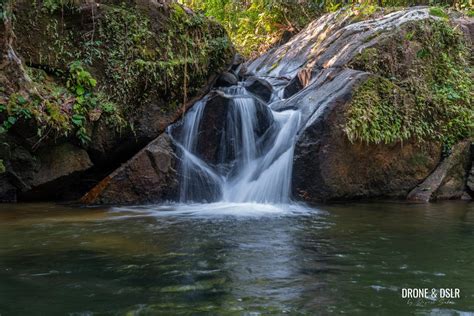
(254,157)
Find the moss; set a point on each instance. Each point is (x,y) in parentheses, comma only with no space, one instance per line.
(138,63)
(439,12)
(139,56)
(420,89)
(378,112)
(2,167)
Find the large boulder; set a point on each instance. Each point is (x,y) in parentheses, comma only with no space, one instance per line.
(212,127)
(124,45)
(226,79)
(150,176)
(100,75)
(374,107)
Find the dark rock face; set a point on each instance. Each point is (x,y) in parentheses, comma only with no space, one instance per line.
(150,176)
(327,166)
(42,175)
(212,127)
(260,88)
(448,180)
(297,83)
(470,180)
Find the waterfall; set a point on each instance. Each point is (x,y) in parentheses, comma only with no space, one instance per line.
(251,165)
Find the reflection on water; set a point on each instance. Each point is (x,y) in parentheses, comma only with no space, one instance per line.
(234,259)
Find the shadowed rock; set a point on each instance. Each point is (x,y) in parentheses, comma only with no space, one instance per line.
(448,180)
(260,88)
(226,79)
(150,176)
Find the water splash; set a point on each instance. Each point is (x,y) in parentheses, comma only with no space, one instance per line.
(261,166)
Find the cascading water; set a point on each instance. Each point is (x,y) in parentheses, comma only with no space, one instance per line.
(260,167)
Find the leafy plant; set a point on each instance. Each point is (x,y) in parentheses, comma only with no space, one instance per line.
(58,109)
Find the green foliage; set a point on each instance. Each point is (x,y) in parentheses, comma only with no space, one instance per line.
(439,12)
(52,6)
(256,25)
(57,110)
(139,63)
(2,167)
(426,97)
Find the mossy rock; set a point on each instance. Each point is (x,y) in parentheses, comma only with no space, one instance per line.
(420,88)
(148,57)
(107,76)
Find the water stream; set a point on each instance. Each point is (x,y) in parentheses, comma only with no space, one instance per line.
(261,166)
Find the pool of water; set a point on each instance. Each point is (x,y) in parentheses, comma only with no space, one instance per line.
(237,259)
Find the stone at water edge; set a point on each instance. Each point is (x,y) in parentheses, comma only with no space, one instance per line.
(46,174)
(448,180)
(150,176)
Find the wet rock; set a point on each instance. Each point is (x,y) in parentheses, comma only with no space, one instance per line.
(470,179)
(212,127)
(327,166)
(260,88)
(150,176)
(226,79)
(214,130)
(237,61)
(8,192)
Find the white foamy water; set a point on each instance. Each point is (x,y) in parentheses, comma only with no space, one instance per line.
(217,209)
(261,169)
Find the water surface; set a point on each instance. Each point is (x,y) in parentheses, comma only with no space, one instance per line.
(237,259)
